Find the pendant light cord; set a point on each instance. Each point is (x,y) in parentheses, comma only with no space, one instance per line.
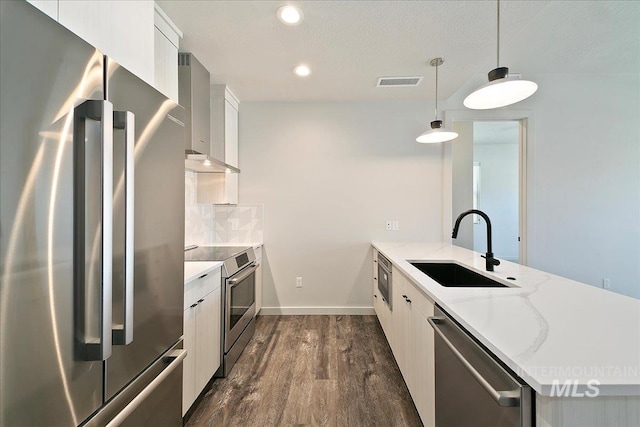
(437,92)
(498,44)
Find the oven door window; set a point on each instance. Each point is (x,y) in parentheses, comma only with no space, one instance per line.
(242,298)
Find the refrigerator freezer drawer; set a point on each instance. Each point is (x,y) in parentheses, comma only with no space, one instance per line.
(152,399)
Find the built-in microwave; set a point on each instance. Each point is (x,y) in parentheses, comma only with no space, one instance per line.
(384,279)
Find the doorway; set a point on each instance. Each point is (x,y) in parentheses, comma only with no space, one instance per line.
(488,174)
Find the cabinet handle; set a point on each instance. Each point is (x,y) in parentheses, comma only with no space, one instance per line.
(408,300)
(193,305)
(200,300)
(203,276)
(404,296)
(375,296)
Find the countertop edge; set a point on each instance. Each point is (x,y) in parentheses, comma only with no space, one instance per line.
(195,269)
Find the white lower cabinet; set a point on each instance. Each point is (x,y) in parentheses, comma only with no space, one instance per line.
(189,362)
(258,250)
(411,339)
(202,315)
(423,387)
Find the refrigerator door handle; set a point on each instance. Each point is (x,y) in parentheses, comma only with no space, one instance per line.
(93,228)
(125,120)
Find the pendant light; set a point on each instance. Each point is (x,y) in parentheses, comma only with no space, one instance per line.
(437,133)
(502,89)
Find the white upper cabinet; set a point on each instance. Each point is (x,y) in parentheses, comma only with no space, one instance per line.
(123,30)
(225,115)
(224,124)
(167,40)
(50,7)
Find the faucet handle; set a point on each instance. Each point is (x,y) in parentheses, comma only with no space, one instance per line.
(491,259)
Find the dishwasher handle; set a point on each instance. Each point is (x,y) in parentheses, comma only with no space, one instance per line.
(507,398)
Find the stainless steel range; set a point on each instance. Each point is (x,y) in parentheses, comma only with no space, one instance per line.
(238,296)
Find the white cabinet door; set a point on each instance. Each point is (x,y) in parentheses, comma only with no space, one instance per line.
(402,343)
(258,250)
(259,286)
(230,133)
(50,7)
(231,119)
(424,367)
(165,65)
(222,189)
(123,30)
(189,363)
(207,346)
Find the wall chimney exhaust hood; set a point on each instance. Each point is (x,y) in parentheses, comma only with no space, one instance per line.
(193,95)
(203,163)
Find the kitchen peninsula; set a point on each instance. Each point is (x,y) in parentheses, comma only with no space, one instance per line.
(548,330)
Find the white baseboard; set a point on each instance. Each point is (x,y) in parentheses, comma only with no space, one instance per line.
(271,311)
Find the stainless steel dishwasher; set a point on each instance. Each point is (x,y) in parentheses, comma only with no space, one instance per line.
(473,389)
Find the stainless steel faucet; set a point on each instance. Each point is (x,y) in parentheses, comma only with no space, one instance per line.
(490,260)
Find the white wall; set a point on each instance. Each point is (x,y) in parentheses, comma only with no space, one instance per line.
(584,177)
(462,182)
(498,198)
(330,174)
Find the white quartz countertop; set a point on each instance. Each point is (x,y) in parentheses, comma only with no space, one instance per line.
(546,329)
(253,244)
(195,269)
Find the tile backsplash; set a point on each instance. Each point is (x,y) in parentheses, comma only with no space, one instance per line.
(199,226)
(239,224)
(207,224)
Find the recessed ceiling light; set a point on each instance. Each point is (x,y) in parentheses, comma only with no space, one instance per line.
(302,71)
(290,15)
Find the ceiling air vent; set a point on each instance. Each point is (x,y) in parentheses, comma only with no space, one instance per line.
(399,81)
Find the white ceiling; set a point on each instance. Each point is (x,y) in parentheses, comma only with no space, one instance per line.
(349,44)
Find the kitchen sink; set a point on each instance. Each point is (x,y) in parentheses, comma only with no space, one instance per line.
(453,275)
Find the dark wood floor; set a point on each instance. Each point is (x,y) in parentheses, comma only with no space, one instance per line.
(311,370)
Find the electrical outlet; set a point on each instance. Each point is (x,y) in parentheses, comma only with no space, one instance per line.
(298,282)
(606,283)
(396,225)
(388,225)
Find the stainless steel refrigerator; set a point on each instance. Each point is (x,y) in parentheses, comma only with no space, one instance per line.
(91,234)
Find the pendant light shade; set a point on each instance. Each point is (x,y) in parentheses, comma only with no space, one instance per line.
(437,133)
(501,90)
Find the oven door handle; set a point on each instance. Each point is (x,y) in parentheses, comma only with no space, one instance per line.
(508,398)
(245,273)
